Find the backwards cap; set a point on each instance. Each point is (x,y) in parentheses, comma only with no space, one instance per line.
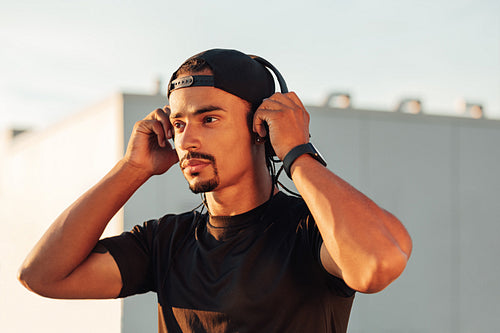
(234,72)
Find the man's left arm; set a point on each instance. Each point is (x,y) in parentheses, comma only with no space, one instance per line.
(363,244)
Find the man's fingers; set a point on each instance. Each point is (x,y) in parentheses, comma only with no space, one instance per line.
(274,103)
(162,116)
(170,130)
(266,112)
(150,126)
(287,121)
(259,125)
(290,100)
(293,96)
(159,130)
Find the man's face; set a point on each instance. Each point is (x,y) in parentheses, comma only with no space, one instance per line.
(212,138)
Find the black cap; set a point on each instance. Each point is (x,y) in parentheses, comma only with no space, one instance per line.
(234,72)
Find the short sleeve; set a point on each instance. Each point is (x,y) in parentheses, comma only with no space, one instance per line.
(336,285)
(132,253)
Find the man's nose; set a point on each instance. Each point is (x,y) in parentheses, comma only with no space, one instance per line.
(188,139)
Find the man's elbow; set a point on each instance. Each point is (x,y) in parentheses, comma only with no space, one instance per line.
(382,272)
(30,281)
(26,279)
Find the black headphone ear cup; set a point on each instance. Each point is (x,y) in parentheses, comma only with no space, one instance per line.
(283,88)
(268,145)
(269,149)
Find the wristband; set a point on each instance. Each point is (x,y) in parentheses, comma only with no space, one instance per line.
(296,152)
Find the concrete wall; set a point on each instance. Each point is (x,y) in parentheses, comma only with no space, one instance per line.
(437,174)
(41,174)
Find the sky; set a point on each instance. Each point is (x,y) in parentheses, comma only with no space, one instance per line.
(58,57)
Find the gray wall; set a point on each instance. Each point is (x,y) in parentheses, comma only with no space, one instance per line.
(439,176)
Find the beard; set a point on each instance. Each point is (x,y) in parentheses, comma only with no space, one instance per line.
(206,185)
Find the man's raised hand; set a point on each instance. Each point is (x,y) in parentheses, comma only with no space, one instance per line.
(148,148)
(287,120)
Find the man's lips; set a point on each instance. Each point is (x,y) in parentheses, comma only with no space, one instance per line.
(194,165)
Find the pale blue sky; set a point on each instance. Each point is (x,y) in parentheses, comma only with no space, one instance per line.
(57,57)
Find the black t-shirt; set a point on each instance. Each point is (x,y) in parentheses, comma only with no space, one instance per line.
(256,272)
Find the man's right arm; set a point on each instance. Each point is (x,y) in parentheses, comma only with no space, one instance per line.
(64,264)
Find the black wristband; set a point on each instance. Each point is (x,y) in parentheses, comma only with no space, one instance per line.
(306,148)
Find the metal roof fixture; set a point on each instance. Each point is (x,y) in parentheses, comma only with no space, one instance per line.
(409,105)
(339,100)
(471,110)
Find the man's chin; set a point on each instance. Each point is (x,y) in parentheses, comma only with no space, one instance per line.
(204,186)
(201,182)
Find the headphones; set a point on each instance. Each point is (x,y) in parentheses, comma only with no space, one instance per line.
(279,77)
(283,89)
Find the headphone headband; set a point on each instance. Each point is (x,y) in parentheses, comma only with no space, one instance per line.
(279,77)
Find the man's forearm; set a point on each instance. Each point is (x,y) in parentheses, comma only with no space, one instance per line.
(73,235)
(369,246)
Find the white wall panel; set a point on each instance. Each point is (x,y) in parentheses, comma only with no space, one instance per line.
(43,173)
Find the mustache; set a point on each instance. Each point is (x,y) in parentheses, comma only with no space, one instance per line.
(194,154)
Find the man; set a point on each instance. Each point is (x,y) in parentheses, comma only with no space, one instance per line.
(259,260)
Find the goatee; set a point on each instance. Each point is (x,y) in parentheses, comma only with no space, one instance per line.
(204,186)
(207,186)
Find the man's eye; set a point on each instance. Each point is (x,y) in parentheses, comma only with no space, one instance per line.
(178,125)
(210,119)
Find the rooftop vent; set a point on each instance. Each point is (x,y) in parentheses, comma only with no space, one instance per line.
(339,100)
(409,105)
(471,110)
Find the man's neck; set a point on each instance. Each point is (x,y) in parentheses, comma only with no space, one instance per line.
(242,197)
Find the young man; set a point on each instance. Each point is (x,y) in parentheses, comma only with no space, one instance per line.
(259,260)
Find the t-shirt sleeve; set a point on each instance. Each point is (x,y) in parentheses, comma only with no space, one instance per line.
(132,253)
(337,285)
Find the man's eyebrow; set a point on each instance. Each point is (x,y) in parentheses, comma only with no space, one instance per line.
(202,110)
